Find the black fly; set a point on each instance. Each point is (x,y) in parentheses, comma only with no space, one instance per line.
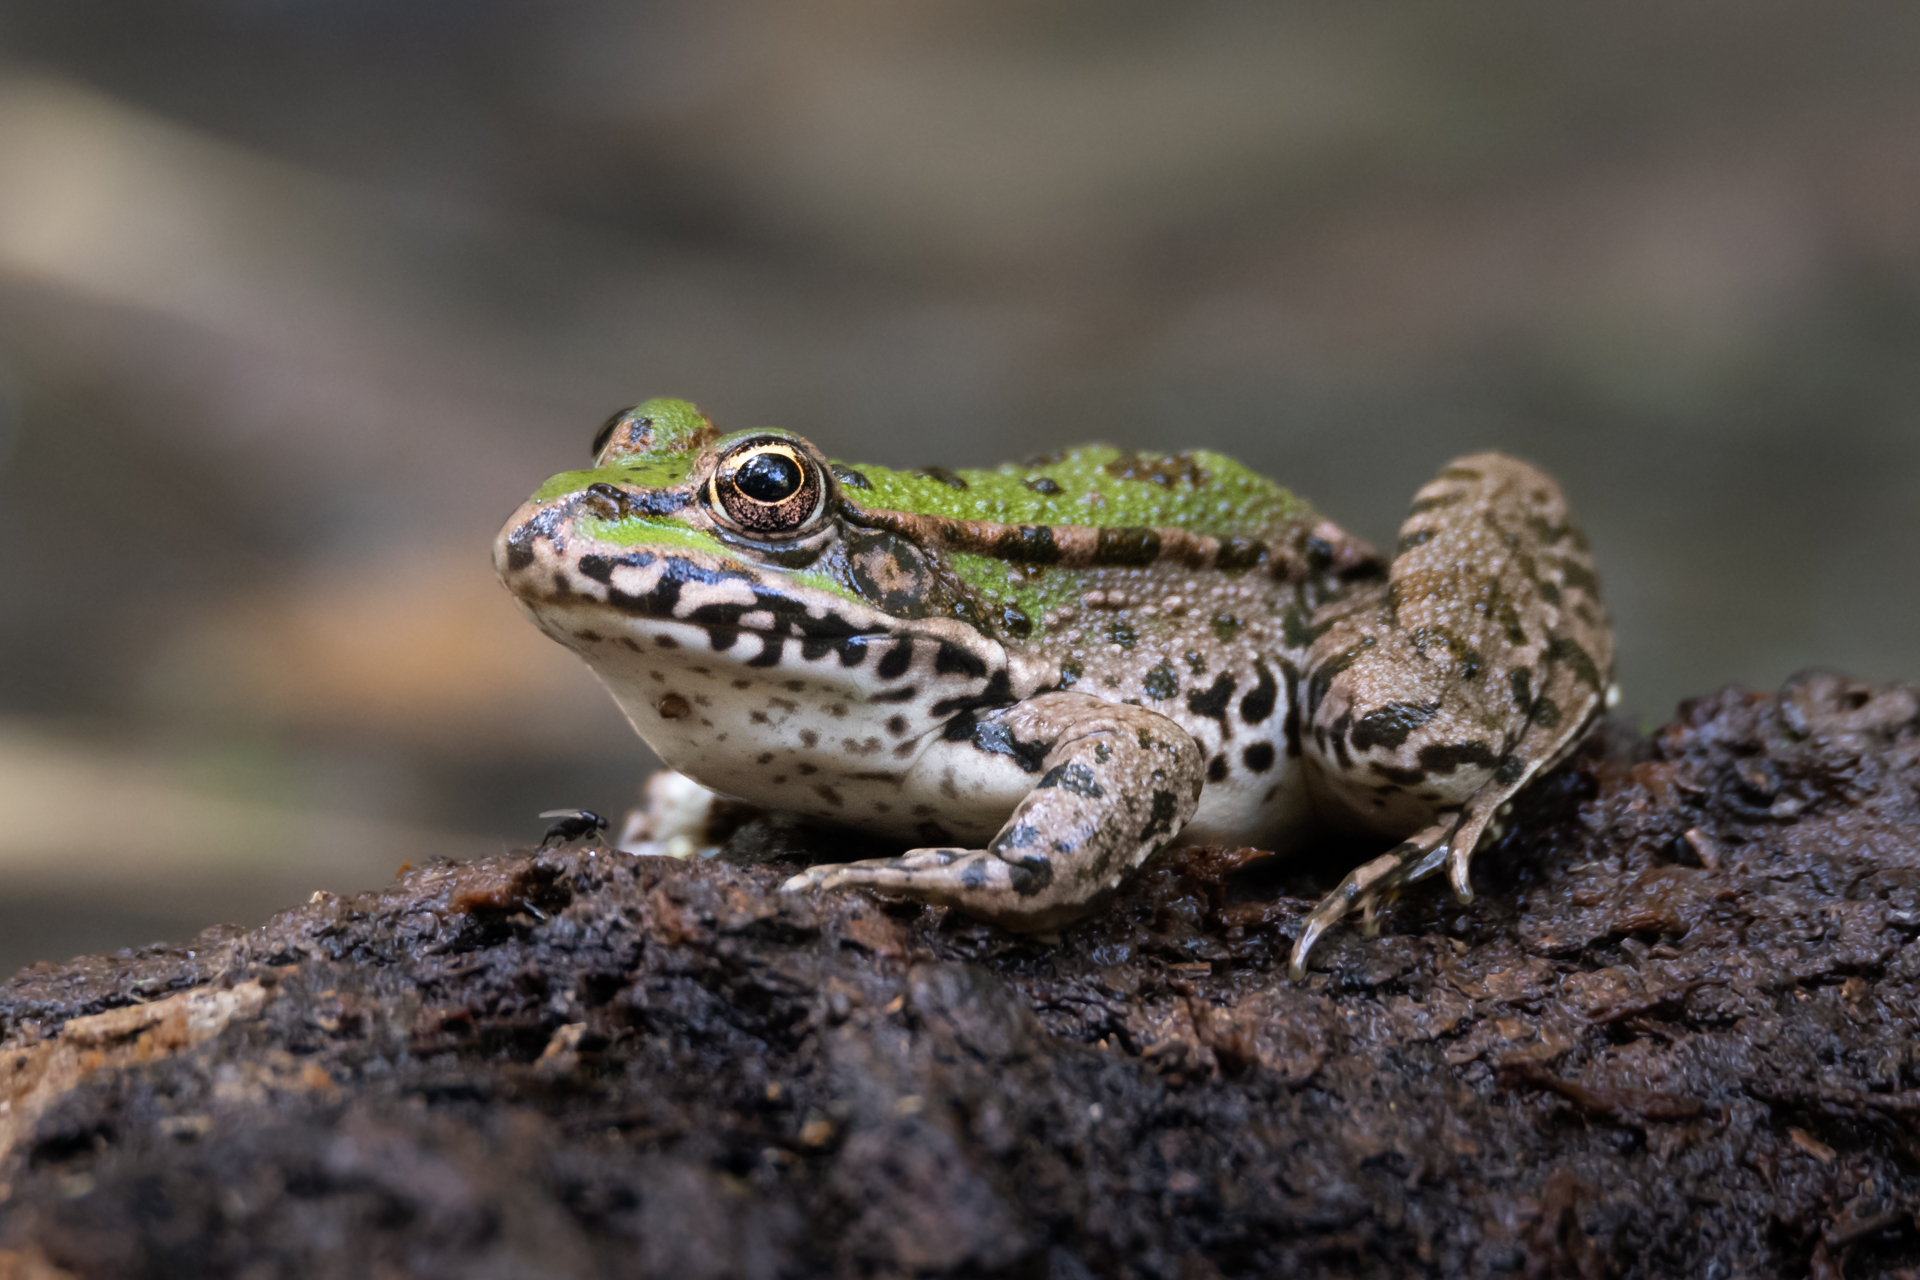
(570,825)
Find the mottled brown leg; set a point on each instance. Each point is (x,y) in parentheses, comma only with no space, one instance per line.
(1432,698)
(1117,784)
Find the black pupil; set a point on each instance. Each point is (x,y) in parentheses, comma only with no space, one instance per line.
(768,477)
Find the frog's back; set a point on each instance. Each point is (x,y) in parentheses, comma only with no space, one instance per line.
(1093,485)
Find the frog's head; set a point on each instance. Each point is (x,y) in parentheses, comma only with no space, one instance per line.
(736,558)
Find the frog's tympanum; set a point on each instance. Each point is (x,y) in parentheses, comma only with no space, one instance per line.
(1041,674)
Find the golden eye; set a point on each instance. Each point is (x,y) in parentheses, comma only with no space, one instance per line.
(768,488)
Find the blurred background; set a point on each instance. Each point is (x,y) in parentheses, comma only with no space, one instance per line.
(297,302)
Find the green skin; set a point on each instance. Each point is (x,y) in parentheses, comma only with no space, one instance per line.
(1043,673)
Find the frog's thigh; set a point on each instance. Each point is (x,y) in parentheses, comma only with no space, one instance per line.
(1432,698)
(1111,784)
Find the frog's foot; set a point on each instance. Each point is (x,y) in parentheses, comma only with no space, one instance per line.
(1117,783)
(875,872)
(1430,699)
(976,880)
(1371,883)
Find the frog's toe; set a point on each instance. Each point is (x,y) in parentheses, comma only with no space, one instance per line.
(923,872)
(1370,883)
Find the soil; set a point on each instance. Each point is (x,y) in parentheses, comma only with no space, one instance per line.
(1674,1035)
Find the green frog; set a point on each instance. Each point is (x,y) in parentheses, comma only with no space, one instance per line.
(1039,675)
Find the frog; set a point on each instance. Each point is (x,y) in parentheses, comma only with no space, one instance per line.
(1035,677)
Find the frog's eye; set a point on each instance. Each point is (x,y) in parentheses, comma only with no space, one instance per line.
(767,488)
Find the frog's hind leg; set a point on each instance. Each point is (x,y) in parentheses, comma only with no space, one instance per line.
(1115,784)
(1430,699)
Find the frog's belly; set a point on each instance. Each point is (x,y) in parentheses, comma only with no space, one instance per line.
(1270,810)
(805,736)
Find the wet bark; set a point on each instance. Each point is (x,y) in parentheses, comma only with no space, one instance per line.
(1675,1035)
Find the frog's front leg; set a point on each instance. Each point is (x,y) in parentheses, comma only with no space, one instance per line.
(1432,698)
(1112,783)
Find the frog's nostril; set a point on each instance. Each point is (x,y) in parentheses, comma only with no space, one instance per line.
(606,500)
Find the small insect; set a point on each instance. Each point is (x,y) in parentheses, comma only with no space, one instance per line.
(570,825)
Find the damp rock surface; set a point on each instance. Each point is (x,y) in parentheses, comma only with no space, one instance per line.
(1674,1035)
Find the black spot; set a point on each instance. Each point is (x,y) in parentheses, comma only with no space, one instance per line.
(1161,683)
(853,651)
(1405,777)
(656,502)
(1546,531)
(944,476)
(896,725)
(896,660)
(905,693)
(519,555)
(814,648)
(722,638)
(1322,678)
(1022,835)
(1523,693)
(1580,578)
(1121,632)
(1548,592)
(1292,727)
(1408,541)
(1258,757)
(1389,726)
(974,875)
(1584,668)
(1546,713)
(1031,874)
(1040,484)
(1258,704)
(997,739)
(1126,546)
(1070,673)
(1217,769)
(1237,555)
(1295,630)
(951,659)
(828,794)
(1017,624)
(1226,627)
(1213,702)
(1508,771)
(769,655)
(808,738)
(599,568)
(1447,757)
(1459,473)
(995,694)
(1076,778)
(849,477)
(1160,818)
(1028,544)
(1435,504)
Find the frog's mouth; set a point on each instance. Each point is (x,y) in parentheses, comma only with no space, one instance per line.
(718,595)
